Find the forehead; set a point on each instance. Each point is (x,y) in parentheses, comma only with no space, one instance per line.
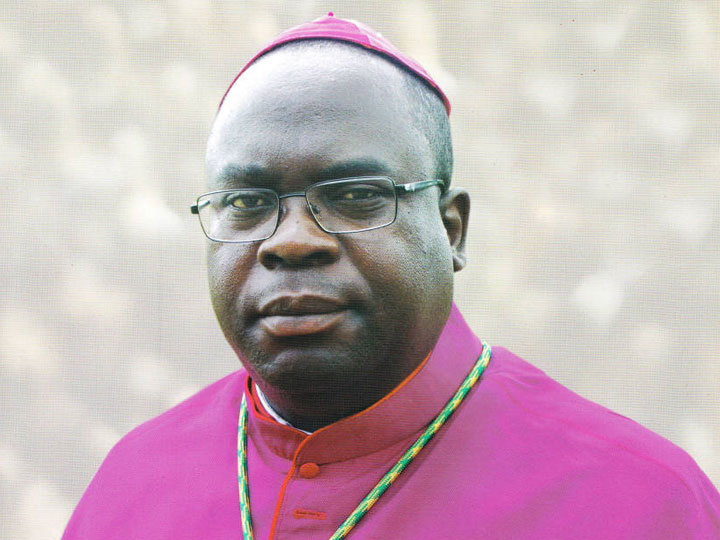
(312,106)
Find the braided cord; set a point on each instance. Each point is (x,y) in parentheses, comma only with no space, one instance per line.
(386,481)
(242,473)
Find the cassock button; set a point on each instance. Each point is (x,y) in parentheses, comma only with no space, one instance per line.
(309,470)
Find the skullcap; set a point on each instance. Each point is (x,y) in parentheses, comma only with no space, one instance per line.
(335,28)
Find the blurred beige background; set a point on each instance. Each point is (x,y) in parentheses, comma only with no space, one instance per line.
(588,133)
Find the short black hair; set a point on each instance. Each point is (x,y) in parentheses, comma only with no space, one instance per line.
(427,111)
(431,119)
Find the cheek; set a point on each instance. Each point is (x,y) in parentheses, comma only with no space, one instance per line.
(411,263)
(422,229)
(431,261)
(226,264)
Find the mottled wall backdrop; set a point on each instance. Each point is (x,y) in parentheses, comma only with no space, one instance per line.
(588,133)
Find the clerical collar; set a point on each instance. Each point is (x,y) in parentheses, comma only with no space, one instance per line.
(272,412)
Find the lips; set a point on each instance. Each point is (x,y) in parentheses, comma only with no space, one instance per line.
(301,315)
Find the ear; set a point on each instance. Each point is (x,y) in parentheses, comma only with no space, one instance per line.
(455,212)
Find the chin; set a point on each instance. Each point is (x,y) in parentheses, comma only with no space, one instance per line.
(309,370)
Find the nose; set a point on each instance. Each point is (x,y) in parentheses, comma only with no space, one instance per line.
(298,240)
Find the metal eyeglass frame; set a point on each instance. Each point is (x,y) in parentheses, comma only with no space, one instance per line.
(411,187)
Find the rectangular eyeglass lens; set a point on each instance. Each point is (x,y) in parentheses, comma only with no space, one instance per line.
(353,204)
(240,215)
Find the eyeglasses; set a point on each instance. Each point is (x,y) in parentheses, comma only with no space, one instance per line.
(347,205)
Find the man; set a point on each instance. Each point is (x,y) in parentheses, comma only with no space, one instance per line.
(335,235)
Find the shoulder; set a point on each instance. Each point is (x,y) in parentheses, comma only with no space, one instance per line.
(198,412)
(553,405)
(597,445)
(193,426)
(181,459)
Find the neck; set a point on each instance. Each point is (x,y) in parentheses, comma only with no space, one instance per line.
(310,411)
(271,410)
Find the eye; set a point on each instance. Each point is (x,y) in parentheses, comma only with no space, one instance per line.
(354,199)
(249,200)
(359,193)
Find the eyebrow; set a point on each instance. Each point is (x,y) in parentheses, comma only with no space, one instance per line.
(355,167)
(232,176)
(258,176)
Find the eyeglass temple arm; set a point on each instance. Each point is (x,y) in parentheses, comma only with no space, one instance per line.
(417,186)
(195,208)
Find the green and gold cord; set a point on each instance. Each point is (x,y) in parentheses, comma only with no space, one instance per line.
(242,473)
(386,481)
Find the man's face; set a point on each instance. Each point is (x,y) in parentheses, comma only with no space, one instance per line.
(310,312)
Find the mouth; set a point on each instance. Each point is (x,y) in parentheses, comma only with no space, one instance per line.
(301,315)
